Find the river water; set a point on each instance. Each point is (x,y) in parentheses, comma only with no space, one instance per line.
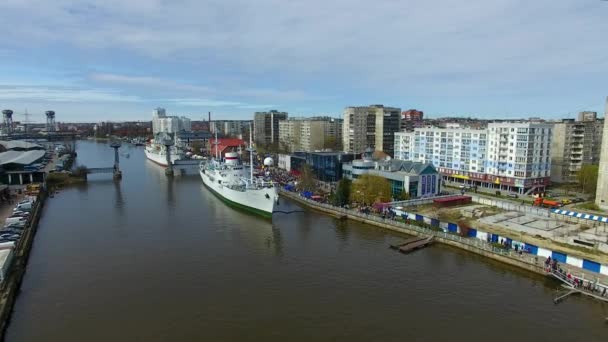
(157,259)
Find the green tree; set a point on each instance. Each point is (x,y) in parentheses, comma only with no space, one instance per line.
(307,180)
(587,178)
(332,143)
(369,189)
(404,195)
(342,194)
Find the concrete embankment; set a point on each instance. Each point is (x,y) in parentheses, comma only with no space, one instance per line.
(525,261)
(11,285)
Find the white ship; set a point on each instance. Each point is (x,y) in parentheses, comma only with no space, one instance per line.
(229,181)
(156,150)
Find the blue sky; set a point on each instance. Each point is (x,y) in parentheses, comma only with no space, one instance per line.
(93,60)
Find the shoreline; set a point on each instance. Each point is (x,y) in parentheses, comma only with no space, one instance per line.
(526,261)
(11,286)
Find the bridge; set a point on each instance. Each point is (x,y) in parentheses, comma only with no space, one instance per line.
(114,170)
(95,170)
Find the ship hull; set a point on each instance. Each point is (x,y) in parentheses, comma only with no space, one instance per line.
(159,158)
(257,201)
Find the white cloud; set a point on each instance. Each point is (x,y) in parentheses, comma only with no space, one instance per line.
(48,94)
(146,81)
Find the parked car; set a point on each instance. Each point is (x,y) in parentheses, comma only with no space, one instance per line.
(566,201)
(20,214)
(578,200)
(23,206)
(513,195)
(11,231)
(15,224)
(15,220)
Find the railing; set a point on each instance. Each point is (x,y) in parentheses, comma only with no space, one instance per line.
(472,242)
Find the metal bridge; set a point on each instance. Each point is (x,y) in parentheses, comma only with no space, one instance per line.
(95,170)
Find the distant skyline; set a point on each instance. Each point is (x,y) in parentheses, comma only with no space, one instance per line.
(111,60)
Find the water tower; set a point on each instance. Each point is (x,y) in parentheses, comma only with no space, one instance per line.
(50,121)
(7,114)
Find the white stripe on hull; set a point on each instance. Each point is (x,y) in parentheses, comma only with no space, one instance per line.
(159,158)
(260,199)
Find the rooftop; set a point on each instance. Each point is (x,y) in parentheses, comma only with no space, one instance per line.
(19,145)
(20,157)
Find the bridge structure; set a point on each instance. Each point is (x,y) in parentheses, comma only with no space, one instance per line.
(114,170)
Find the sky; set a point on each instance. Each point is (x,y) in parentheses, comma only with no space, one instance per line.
(97,60)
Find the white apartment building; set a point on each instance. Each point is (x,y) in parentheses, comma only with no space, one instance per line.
(512,156)
(169,124)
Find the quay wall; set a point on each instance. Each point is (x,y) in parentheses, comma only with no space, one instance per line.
(446,233)
(9,289)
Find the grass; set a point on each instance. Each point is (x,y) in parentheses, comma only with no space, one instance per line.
(61,179)
(589,206)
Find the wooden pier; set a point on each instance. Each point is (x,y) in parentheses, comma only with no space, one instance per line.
(412,244)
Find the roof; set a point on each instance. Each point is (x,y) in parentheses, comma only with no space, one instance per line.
(20,157)
(19,144)
(410,166)
(224,143)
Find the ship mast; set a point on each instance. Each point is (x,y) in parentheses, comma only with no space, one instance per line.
(250,157)
(216,152)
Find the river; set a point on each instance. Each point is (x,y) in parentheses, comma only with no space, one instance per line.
(153,258)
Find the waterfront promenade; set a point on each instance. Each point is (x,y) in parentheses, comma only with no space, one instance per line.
(525,261)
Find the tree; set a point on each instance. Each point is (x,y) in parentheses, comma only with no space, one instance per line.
(587,178)
(342,194)
(307,180)
(369,189)
(332,143)
(404,195)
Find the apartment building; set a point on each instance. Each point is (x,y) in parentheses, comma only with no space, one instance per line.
(309,134)
(161,122)
(370,126)
(266,126)
(231,128)
(512,156)
(575,143)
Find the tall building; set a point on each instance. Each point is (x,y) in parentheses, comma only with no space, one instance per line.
(574,144)
(411,119)
(511,156)
(266,126)
(169,124)
(289,134)
(230,128)
(372,126)
(601,194)
(310,134)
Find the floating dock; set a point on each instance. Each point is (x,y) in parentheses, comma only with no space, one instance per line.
(407,242)
(412,244)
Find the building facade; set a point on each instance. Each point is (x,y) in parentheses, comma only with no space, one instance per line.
(512,156)
(415,178)
(371,126)
(161,122)
(266,126)
(289,134)
(574,144)
(309,134)
(601,194)
(411,119)
(231,128)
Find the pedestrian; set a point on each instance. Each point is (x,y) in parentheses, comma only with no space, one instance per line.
(604,292)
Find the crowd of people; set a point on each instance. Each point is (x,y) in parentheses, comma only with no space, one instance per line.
(552,265)
(281,176)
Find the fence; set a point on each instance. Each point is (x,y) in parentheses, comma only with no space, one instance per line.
(475,238)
